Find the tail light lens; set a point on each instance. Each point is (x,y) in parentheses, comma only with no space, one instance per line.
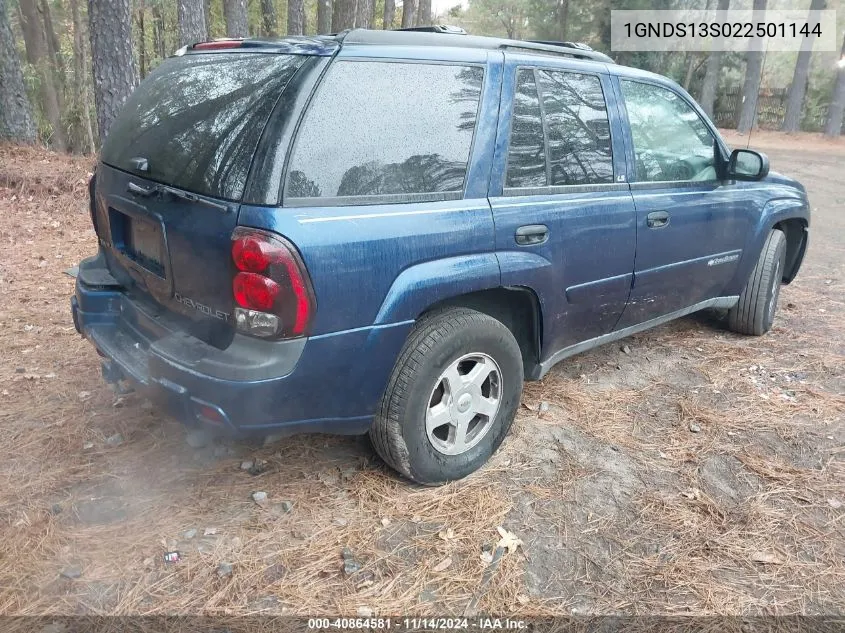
(255,292)
(271,287)
(253,254)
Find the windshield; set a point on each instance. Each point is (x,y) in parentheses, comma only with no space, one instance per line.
(197,120)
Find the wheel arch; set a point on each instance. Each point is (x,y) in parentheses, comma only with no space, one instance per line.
(517,307)
(790,215)
(796,230)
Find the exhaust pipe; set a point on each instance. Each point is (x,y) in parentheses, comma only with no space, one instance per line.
(114,375)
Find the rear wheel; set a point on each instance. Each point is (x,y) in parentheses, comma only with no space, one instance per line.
(755,311)
(451,398)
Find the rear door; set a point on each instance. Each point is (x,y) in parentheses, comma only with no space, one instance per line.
(691,223)
(561,205)
(173,172)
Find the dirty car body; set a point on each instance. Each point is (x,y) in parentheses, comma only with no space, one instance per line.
(275,218)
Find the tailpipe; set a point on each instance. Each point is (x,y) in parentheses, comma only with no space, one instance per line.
(114,375)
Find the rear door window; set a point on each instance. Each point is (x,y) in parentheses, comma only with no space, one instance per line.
(197,120)
(560,131)
(385,132)
(578,128)
(527,150)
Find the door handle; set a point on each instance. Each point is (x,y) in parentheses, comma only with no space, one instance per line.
(139,190)
(657,219)
(532,234)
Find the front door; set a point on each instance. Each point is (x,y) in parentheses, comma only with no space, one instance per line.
(564,225)
(691,224)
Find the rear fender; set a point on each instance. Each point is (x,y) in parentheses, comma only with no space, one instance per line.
(428,283)
(434,282)
(413,291)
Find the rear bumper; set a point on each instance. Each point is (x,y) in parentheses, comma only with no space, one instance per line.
(329,383)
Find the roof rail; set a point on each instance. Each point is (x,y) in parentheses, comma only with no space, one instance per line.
(434,28)
(572,49)
(579,45)
(427,36)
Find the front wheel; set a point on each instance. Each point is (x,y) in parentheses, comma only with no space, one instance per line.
(754,313)
(451,398)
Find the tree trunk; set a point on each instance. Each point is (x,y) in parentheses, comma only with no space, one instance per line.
(363,14)
(711,73)
(424,13)
(563,19)
(343,15)
(324,16)
(110,28)
(236,18)
(53,46)
(191,18)
(80,77)
(798,88)
(158,33)
(753,74)
(268,18)
(17,122)
(29,37)
(142,42)
(296,17)
(833,125)
(206,11)
(389,14)
(691,66)
(39,53)
(56,62)
(409,10)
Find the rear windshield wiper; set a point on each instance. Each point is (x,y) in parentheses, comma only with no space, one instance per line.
(192,197)
(176,193)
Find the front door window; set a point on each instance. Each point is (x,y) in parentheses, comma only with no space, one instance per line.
(671,142)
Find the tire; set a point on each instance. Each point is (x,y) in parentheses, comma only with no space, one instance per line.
(755,311)
(420,393)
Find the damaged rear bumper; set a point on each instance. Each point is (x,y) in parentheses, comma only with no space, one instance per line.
(252,386)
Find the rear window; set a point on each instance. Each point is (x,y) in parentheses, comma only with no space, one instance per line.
(197,120)
(385,132)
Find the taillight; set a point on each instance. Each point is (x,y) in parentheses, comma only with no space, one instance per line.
(271,287)
(253,254)
(255,292)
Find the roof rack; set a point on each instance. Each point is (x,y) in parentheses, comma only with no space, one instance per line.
(435,28)
(446,35)
(578,45)
(572,49)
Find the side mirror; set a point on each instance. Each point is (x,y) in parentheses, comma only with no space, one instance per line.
(746,164)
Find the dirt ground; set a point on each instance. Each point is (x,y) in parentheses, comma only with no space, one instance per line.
(686,470)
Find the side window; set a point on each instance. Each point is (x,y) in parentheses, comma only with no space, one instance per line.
(578,128)
(387,128)
(671,142)
(527,149)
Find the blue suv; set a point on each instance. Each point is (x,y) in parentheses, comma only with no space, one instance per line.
(387,232)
